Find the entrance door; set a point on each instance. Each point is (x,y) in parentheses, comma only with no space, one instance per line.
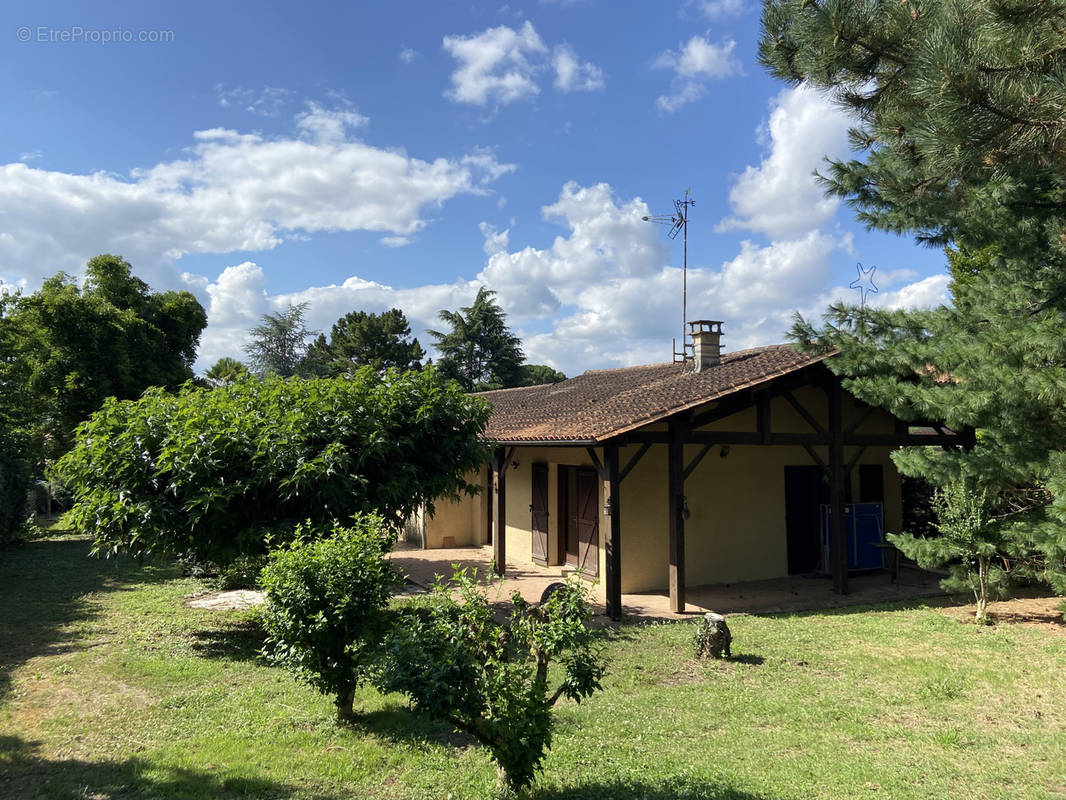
(579,528)
(539,510)
(805,491)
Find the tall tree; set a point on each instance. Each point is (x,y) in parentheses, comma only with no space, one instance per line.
(72,346)
(362,339)
(959,111)
(479,351)
(279,342)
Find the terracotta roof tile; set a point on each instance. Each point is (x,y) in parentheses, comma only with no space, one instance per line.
(604,403)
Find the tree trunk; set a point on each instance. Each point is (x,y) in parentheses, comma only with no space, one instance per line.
(982,589)
(345,701)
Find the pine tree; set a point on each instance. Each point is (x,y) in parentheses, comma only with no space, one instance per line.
(959,112)
(479,351)
(379,341)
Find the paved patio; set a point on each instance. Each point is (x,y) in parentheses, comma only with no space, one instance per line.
(780,595)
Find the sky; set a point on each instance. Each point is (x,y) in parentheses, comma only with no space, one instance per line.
(363,156)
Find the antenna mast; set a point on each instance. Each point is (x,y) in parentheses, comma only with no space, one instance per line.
(678,222)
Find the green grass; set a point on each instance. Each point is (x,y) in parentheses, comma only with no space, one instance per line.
(111,688)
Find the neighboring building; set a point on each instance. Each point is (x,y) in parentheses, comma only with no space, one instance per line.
(720,469)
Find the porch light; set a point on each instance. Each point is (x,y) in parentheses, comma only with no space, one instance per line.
(685,513)
(608,507)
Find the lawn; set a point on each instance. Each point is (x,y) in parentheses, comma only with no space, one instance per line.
(111,688)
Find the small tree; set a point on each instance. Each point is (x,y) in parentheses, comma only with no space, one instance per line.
(971,544)
(491,680)
(326,600)
(225,370)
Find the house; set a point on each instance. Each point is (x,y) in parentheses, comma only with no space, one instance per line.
(729,467)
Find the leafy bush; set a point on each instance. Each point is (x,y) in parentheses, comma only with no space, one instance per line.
(218,472)
(490,680)
(326,599)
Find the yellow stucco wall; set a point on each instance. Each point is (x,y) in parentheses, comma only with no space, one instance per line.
(463,520)
(520,497)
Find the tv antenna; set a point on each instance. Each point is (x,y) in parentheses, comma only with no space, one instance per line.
(678,222)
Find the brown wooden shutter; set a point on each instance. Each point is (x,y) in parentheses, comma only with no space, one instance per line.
(539,509)
(588,521)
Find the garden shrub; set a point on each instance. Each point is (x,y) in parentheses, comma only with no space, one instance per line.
(490,680)
(326,598)
(215,473)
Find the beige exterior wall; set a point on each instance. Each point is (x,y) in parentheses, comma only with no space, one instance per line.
(520,497)
(736,531)
(459,523)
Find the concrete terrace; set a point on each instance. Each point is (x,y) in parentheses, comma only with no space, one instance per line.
(780,595)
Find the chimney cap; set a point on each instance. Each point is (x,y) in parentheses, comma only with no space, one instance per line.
(705,326)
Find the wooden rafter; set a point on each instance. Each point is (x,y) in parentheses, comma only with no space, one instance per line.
(866,414)
(600,469)
(633,461)
(695,462)
(808,417)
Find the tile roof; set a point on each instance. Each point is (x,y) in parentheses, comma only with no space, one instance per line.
(603,403)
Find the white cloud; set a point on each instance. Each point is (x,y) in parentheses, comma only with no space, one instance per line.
(266,102)
(717,9)
(231,191)
(30,155)
(329,124)
(494,65)
(601,295)
(925,293)
(408,55)
(573,76)
(502,65)
(606,238)
(780,197)
(697,62)
(495,241)
(395,241)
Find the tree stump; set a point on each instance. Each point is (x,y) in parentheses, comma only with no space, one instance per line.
(712,637)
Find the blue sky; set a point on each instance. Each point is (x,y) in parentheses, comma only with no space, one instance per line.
(370,155)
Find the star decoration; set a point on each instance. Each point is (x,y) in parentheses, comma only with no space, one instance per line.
(864,283)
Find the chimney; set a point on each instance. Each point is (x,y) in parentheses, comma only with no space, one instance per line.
(706,337)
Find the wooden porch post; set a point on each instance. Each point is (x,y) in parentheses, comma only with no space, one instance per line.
(676,499)
(837,475)
(499,540)
(489,487)
(614,534)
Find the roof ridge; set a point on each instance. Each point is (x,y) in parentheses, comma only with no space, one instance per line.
(515,388)
(745,351)
(630,366)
